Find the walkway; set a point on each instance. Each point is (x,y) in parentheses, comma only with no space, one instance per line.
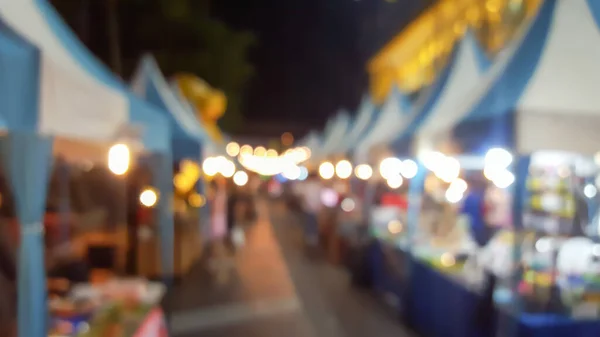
(275,291)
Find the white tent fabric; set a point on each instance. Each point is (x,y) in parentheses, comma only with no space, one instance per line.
(362,120)
(148,71)
(463,77)
(548,79)
(333,140)
(73,102)
(188,115)
(391,121)
(560,108)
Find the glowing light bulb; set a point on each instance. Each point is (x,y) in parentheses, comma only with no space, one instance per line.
(326,170)
(395,181)
(118,159)
(390,167)
(343,169)
(240,178)
(148,198)
(363,172)
(409,169)
(498,158)
(503,179)
(233,149)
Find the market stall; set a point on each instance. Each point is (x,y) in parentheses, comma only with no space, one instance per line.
(538,101)
(188,138)
(54,91)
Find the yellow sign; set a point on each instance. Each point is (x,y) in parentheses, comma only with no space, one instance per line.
(210,103)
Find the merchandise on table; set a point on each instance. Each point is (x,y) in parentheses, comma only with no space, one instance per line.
(115,309)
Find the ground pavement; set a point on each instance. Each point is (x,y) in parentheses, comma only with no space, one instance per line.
(274,290)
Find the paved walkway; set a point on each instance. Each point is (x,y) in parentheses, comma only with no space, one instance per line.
(274,290)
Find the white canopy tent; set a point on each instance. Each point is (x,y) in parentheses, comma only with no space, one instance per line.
(541,92)
(462,75)
(391,120)
(363,119)
(335,136)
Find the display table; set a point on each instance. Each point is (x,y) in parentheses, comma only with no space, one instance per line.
(119,309)
(437,305)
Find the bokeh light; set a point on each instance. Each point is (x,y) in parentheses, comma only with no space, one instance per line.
(326,170)
(363,172)
(240,178)
(233,149)
(118,159)
(343,169)
(148,197)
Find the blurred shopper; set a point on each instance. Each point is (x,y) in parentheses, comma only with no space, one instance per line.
(311,203)
(221,262)
(8,295)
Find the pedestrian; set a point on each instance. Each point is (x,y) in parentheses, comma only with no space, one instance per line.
(221,261)
(311,203)
(8,282)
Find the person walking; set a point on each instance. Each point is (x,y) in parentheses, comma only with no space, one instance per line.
(221,262)
(311,203)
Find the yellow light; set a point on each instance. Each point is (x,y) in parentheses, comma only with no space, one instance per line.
(395,227)
(272,153)
(492,6)
(343,169)
(447,260)
(307,151)
(246,150)
(227,168)
(395,181)
(363,172)
(260,151)
(118,159)
(326,170)
(196,200)
(148,197)
(233,149)
(240,178)
(287,139)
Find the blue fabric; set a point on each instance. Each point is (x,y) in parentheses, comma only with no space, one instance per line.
(505,93)
(27,158)
(162,169)
(473,208)
(402,144)
(594,6)
(415,196)
(19,81)
(439,306)
(156,133)
(183,145)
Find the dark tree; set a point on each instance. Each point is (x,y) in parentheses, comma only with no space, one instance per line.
(180,33)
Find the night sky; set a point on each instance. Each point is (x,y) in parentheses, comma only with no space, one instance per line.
(311,54)
(309,60)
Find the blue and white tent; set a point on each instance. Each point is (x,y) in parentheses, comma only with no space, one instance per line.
(464,71)
(335,135)
(210,148)
(79,98)
(363,119)
(187,133)
(542,93)
(390,121)
(52,88)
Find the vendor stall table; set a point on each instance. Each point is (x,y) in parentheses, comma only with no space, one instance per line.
(439,306)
